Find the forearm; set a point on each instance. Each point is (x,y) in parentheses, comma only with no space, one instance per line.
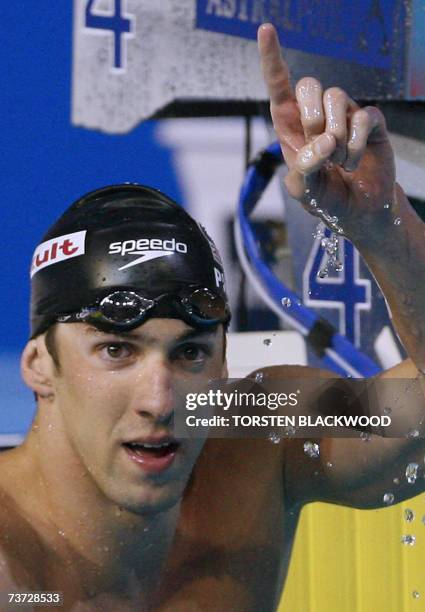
(395,253)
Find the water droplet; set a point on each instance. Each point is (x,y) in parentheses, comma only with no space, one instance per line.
(388,410)
(274,437)
(397,221)
(286,301)
(329,464)
(290,430)
(396,481)
(413,434)
(312,449)
(323,273)
(318,232)
(409,515)
(388,499)
(415,595)
(387,205)
(339,266)
(412,472)
(61,533)
(365,436)
(313,203)
(267,341)
(259,377)
(408,540)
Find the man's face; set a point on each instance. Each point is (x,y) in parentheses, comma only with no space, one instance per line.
(115,396)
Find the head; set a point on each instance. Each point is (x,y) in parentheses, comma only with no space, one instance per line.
(128,314)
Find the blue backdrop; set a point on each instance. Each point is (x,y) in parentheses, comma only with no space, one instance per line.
(47,163)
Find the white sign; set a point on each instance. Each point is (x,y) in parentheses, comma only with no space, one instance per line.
(133,57)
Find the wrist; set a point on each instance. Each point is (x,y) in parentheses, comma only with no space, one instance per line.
(385,226)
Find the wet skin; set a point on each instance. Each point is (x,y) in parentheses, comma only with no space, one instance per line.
(212,531)
(215,529)
(79,517)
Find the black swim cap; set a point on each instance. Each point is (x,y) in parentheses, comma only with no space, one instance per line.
(122,237)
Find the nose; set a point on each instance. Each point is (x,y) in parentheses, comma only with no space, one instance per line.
(154,398)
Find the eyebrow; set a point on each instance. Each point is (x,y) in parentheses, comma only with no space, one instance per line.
(148,339)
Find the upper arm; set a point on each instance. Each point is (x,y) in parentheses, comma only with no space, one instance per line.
(358,472)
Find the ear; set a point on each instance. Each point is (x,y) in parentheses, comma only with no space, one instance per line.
(37,367)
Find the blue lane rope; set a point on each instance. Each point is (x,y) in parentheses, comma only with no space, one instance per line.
(336,352)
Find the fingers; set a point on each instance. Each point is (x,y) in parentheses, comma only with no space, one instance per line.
(274,68)
(309,97)
(311,158)
(337,104)
(367,126)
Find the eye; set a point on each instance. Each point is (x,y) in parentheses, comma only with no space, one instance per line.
(117,350)
(191,353)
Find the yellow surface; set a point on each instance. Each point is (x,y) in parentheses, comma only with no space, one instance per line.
(348,560)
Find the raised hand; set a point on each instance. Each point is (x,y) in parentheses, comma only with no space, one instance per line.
(339,157)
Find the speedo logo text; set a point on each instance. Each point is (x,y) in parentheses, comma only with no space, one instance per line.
(147,249)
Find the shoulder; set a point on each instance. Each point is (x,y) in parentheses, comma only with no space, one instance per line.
(291,371)
(20,545)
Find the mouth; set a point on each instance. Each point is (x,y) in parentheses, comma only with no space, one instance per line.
(153,456)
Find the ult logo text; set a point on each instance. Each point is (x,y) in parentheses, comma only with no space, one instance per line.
(58,249)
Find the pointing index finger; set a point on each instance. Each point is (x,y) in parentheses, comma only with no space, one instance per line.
(274,68)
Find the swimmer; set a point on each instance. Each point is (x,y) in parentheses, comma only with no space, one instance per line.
(128,310)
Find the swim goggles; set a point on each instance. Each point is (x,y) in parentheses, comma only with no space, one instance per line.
(124,309)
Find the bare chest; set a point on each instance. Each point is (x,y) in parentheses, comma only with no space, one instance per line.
(235,534)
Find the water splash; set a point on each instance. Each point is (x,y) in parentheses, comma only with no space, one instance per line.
(330,246)
(259,377)
(408,540)
(388,499)
(414,433)
(286,301)
(318,232)
(397,221)
(409,515)
(274,437)
(412,472)
(312,450)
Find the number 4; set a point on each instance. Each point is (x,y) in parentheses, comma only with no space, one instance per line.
(346,292)
(115,23)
